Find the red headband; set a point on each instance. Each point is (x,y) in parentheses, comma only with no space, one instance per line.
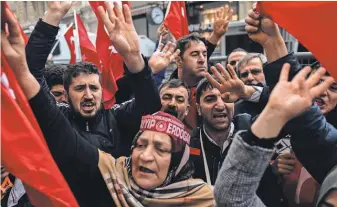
(167,124)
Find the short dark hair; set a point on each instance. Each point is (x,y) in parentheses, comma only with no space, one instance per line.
(246,59)
(204,85)
(54,74)
(74,70)
(176,83)
(184,42)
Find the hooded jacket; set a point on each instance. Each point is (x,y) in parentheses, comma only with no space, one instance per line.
(110,130)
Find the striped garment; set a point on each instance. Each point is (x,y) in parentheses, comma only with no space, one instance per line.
(125,192)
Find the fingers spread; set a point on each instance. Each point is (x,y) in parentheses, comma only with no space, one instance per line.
(217,75)
(167,46)
(230,15)
(160,47)
(300,76)
(212,80)
(225,11)
(175,55)
(223,71)
(232,71)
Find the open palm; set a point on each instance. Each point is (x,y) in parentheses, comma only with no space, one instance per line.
(228,84)
(122,32)
(293,98)
(163,57)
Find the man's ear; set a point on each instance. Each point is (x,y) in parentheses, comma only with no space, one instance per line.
(198,109)
(187,109)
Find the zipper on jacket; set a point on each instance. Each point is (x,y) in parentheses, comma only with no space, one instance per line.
(87,126)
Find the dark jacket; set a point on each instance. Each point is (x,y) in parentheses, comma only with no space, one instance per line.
(76,158)
(110,130)
(313,139)
(215,160)
(213,152)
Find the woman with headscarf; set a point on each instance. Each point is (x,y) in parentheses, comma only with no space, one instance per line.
(157,173)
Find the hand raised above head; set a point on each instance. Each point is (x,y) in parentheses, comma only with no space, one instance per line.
(123,35)
(261,29)
(292,98)
(220,26)
(163,57)
(56,11)
(228,83)
(13,45)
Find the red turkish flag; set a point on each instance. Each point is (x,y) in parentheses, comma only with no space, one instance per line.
(312,23)
(113,63)
(88,50)
(24,152)
(69,36)
(4,5)
(176,19)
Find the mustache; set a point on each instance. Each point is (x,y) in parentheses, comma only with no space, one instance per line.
(172,111)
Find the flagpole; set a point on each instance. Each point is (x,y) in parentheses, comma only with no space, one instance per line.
(77,38)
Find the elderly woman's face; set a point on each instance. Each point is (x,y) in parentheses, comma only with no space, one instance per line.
(151,159)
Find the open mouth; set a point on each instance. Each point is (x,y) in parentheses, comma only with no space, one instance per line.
(220,116)
(319,102)
(146,170)
(88,106)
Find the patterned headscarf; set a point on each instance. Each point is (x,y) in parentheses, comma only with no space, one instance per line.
(178,189)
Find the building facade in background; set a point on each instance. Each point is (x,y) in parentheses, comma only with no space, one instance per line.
(148,15)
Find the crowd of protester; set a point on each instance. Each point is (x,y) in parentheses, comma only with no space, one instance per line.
(259,130)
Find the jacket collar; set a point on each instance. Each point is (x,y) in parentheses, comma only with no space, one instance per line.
(90,123)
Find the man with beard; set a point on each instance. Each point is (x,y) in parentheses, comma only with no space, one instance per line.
(110,130)
(174,96)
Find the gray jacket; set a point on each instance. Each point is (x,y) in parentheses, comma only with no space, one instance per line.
(240,174)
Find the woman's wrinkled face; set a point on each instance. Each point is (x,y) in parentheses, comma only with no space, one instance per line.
(151,159)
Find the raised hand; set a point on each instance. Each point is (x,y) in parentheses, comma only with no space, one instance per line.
(220,26)
(162,33)
(56,11)
(163,57)
(13,49)
(261,29)
(288,100)
(13,45)
(228,83)
(293,98)
(123,35)
(284,164)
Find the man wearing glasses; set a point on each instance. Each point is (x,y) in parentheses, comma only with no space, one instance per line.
(250,69)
